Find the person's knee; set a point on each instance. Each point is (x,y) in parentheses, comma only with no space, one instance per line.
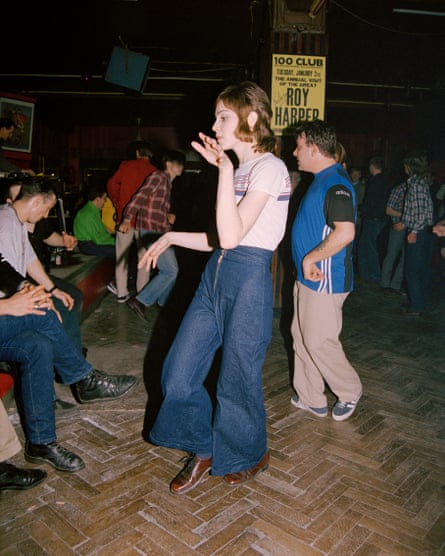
(173,268)
(315,344)
(172,274)
(35,348)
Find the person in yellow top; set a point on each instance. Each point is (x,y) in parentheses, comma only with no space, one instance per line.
(109,216)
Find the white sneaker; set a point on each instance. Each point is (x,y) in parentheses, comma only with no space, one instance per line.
(111,287)
(343,410)
(123,298)
(318,411)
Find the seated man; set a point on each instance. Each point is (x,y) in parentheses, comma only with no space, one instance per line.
(43,235)
(34,201)
(31,334)
(92,235)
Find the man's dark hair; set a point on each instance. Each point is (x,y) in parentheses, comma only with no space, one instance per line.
(36,186)
(417,163)
(378,162)
(173,156)
(320,134)
(144,148)
(6,122)
(141,145)
(95,190)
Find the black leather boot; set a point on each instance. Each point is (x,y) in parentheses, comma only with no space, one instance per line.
(54,454)
(14,478)
(98,386)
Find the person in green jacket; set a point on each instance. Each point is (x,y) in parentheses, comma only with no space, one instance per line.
(92,235)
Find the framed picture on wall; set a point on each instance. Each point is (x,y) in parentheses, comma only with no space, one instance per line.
(21,112)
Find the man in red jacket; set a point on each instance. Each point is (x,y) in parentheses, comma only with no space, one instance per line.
(121,186)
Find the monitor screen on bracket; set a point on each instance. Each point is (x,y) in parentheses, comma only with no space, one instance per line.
(127,69)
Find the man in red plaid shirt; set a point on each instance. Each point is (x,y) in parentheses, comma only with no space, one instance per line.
(122,185)
(150,207)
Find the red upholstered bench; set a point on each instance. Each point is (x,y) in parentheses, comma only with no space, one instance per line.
(6,384)
(90,274)
(6,388)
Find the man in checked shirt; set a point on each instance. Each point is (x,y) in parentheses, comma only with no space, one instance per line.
(417,220)
(150,205)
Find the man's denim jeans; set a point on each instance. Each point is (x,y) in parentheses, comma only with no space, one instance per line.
(159,287)
(40,345)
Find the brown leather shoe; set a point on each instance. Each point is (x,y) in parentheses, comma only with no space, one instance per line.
(138,307)
(191,474)
(235,479)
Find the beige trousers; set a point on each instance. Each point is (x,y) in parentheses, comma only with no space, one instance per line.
(318,352)
(123,244)
(143,276)
(9,442)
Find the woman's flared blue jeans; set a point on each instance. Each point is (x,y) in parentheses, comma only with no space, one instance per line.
(232,309)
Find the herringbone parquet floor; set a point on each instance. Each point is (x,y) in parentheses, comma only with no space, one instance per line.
(372,485)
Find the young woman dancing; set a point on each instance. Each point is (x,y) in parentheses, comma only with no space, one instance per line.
(232,307)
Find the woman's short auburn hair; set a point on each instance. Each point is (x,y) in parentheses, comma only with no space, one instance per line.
(244,98)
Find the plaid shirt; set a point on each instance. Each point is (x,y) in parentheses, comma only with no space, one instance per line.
(395,200)
(151,204)
(127,179)
(418,206)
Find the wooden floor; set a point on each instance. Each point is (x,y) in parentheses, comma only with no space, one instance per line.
(372,485)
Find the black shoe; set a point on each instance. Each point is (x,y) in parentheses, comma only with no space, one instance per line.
(14,478)
(64,410)
(54,454)
(99,386)
(405,311)
(391,292)
(137,307)
(410,313)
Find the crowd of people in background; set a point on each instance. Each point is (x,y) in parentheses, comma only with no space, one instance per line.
(396,239)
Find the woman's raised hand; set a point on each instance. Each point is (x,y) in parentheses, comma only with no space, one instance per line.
(211,151)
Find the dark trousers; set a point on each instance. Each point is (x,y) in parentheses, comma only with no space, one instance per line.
(94,249)
(418,272)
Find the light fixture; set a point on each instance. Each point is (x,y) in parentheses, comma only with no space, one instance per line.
(315,8)
(417,12)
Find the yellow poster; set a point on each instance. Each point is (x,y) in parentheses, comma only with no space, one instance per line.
(298,89)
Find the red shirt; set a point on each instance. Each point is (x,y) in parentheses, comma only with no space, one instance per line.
(126,181)
(151,204)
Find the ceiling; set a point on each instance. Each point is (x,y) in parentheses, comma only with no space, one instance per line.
(55,51)
(371,42)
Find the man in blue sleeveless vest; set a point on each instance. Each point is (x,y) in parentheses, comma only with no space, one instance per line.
(322,241)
